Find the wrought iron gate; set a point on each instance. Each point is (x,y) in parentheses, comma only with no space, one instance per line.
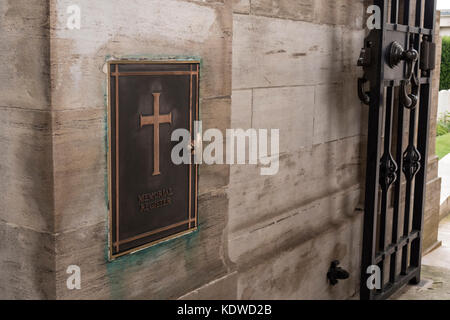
(398,60)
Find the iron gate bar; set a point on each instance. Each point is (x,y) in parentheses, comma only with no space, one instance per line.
(409,182)
(393,248)
(410,175)
(373,159)
(409,29)
(388,172)
(394,11)
(423,141)
(396,83)
(383,171)
(391,288)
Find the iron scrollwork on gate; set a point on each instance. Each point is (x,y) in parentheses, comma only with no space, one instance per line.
(411,162)
(397,60)
(388,171)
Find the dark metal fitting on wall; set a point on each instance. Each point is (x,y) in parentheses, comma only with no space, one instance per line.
(336,273)
(363,95)
(365,61)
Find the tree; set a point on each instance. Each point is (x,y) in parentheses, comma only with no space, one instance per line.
(445,65)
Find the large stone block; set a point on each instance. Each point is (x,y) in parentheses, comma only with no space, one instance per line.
(215,114)
(242,109)
(292,228)
(241,6)
(269,52)
(289,110)
(299,271)
(159,30)
(27,261)
(353,40)
(179,29)
(287,9)
(304,176)
(80,168)
(431,212)
(24,53)
(168,270)
(337,111)
(26,184)
(25,19)
(350,13)
(341,12)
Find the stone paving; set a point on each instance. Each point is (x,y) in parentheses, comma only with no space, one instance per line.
(435,283)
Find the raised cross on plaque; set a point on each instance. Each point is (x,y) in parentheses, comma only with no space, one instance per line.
(155,120)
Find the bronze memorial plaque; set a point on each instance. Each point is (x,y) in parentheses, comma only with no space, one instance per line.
(151,199)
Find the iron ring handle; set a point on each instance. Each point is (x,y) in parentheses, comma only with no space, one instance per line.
(409,100)
(411,57)
(363,96)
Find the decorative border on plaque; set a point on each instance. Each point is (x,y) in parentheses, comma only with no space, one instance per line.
(191,222)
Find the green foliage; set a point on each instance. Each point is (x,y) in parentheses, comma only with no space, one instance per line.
(443,124)
(445,64)
(441,130)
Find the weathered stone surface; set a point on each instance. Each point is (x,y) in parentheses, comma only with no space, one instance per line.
(435,90)
(433,167)
(292,228)
(307,175)
(299,271)
(435,285)
(432,204)
(304,89)
(27,263)
(294,69)
(288,109)
(241,6)
(350,13)
(288,9)
(431,219)
(178,29)
(267,53)
(224,288)
(341,12)
(337,112)
(168,270)
(215,114)
(24,54)
(80,168)
(241,109)
(160,30)
(26,186)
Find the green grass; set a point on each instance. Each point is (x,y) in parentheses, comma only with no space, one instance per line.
(443,145)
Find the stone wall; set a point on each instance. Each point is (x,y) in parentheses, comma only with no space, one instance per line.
(285,64)
(26,185)
(160,28)
(433,195)
(294,69)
